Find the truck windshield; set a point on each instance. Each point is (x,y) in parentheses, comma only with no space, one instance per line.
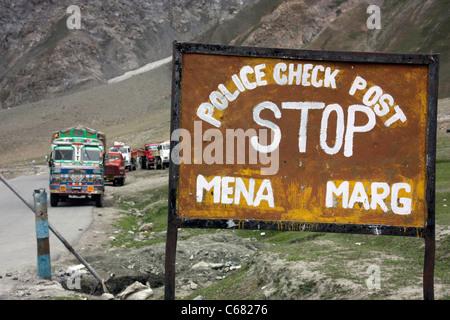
(91,154)
(165,146)
(63,155)
(114,157)
(118,149)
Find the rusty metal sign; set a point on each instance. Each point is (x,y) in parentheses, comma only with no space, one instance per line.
(303,140)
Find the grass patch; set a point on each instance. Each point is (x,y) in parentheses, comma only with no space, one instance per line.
(442,201)
(335,257)
(237,285)
(149,206)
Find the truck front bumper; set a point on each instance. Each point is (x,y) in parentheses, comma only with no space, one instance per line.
(112,178)
(77,189)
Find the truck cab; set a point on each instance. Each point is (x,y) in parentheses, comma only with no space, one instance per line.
(129,160)
(76,165)
(165,154)
(115,168)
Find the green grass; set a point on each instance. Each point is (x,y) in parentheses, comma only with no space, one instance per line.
(442,202)
(152,204)
(235,286)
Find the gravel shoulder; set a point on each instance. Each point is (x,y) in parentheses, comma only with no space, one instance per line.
(201,260)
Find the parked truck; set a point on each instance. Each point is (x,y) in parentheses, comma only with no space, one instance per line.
(151,157)
(165,153)
(129,157)
(115,168)
(76,163)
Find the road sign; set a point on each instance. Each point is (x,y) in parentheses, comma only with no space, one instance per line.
(303,140)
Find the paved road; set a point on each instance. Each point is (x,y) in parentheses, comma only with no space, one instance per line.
(17,223)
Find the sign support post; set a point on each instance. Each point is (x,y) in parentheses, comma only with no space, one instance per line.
(428,269)
(172,226)
(171,250)
(430,243)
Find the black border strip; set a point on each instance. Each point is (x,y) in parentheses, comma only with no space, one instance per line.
(300,226)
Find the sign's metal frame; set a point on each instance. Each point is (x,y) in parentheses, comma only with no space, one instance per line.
(427,232)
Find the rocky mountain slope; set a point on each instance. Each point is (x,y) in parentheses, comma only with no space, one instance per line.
(41,56)
(412,26)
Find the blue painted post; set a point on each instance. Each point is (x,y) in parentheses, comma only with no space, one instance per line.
(44,269)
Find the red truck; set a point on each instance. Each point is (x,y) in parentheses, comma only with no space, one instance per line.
(115,168)
(151,156)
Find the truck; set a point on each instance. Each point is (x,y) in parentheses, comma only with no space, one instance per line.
(76,163)
(151,157)
(115,168)
(165,153)
(128,155)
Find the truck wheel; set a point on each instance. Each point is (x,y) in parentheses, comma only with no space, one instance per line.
(121,181)
(99,201)
(54,198)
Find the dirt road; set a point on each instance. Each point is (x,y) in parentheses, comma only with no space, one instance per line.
(17,222)
(18,280)
(201,260)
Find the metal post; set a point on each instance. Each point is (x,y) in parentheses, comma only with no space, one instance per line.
(58,235)
(428,268)
(429,232)
(44,269)
(171,249)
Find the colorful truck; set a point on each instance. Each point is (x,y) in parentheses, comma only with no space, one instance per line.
(76,163)
(115,168)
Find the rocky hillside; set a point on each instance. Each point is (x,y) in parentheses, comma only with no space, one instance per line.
(40,56)
(413,26)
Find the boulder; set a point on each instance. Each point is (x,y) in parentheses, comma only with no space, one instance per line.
(136,291)
(146,227)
